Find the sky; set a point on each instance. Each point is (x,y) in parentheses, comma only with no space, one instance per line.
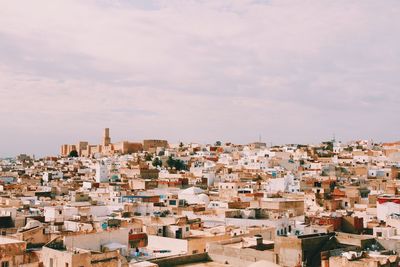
(294,71)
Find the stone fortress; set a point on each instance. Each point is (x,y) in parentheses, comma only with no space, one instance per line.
(106,148)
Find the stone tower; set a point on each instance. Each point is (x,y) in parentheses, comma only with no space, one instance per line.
(106,137)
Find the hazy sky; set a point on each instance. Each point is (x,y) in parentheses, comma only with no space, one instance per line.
(292,71)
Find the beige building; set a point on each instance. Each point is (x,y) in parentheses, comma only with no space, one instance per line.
(105,148)
(12,252)
(152,145)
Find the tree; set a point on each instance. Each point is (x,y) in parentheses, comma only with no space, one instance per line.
(180,165)
(176,163)
(73,154)
(218,143)
(170,162)
(157,162)
(148,157)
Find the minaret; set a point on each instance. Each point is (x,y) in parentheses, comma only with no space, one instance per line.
(106,137)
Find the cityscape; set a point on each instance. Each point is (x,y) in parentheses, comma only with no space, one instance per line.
(152,203)
(200,133)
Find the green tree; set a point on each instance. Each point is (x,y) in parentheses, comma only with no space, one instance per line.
(176,163)
(148,157)
(180,165)
(157,162)
(73,154)
(170,162)
(218,143)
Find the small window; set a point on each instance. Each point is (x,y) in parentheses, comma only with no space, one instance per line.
(379,234)
(5,264)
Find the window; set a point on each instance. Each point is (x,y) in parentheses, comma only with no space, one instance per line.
(5,264)
(379,234)
(66,264)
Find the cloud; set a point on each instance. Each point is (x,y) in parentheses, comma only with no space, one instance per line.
(293,71)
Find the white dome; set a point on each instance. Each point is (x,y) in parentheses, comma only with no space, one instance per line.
(192,191)
(32,224)
(204,198)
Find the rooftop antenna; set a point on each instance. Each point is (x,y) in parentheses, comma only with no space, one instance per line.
(259,138)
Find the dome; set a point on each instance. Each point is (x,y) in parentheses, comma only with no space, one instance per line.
(32,224)
(204,199)
(192,191)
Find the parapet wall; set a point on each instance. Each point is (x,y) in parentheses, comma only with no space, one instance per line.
(179,260)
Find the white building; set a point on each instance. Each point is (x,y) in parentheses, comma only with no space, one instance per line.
(101,173)
(386,206)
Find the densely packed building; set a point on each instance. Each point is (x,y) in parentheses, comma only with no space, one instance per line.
(152,203)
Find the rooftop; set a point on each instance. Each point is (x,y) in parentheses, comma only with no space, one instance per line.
(6,241)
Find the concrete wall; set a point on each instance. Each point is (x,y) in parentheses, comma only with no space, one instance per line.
(390,244)
(187,259)
(355,240)
(159,242)
(237,257)
(96,240)
(61,258)
(199,244)
(288,250)
(12,252)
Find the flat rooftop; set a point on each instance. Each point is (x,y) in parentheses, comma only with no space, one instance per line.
(5,241)
(204,264)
